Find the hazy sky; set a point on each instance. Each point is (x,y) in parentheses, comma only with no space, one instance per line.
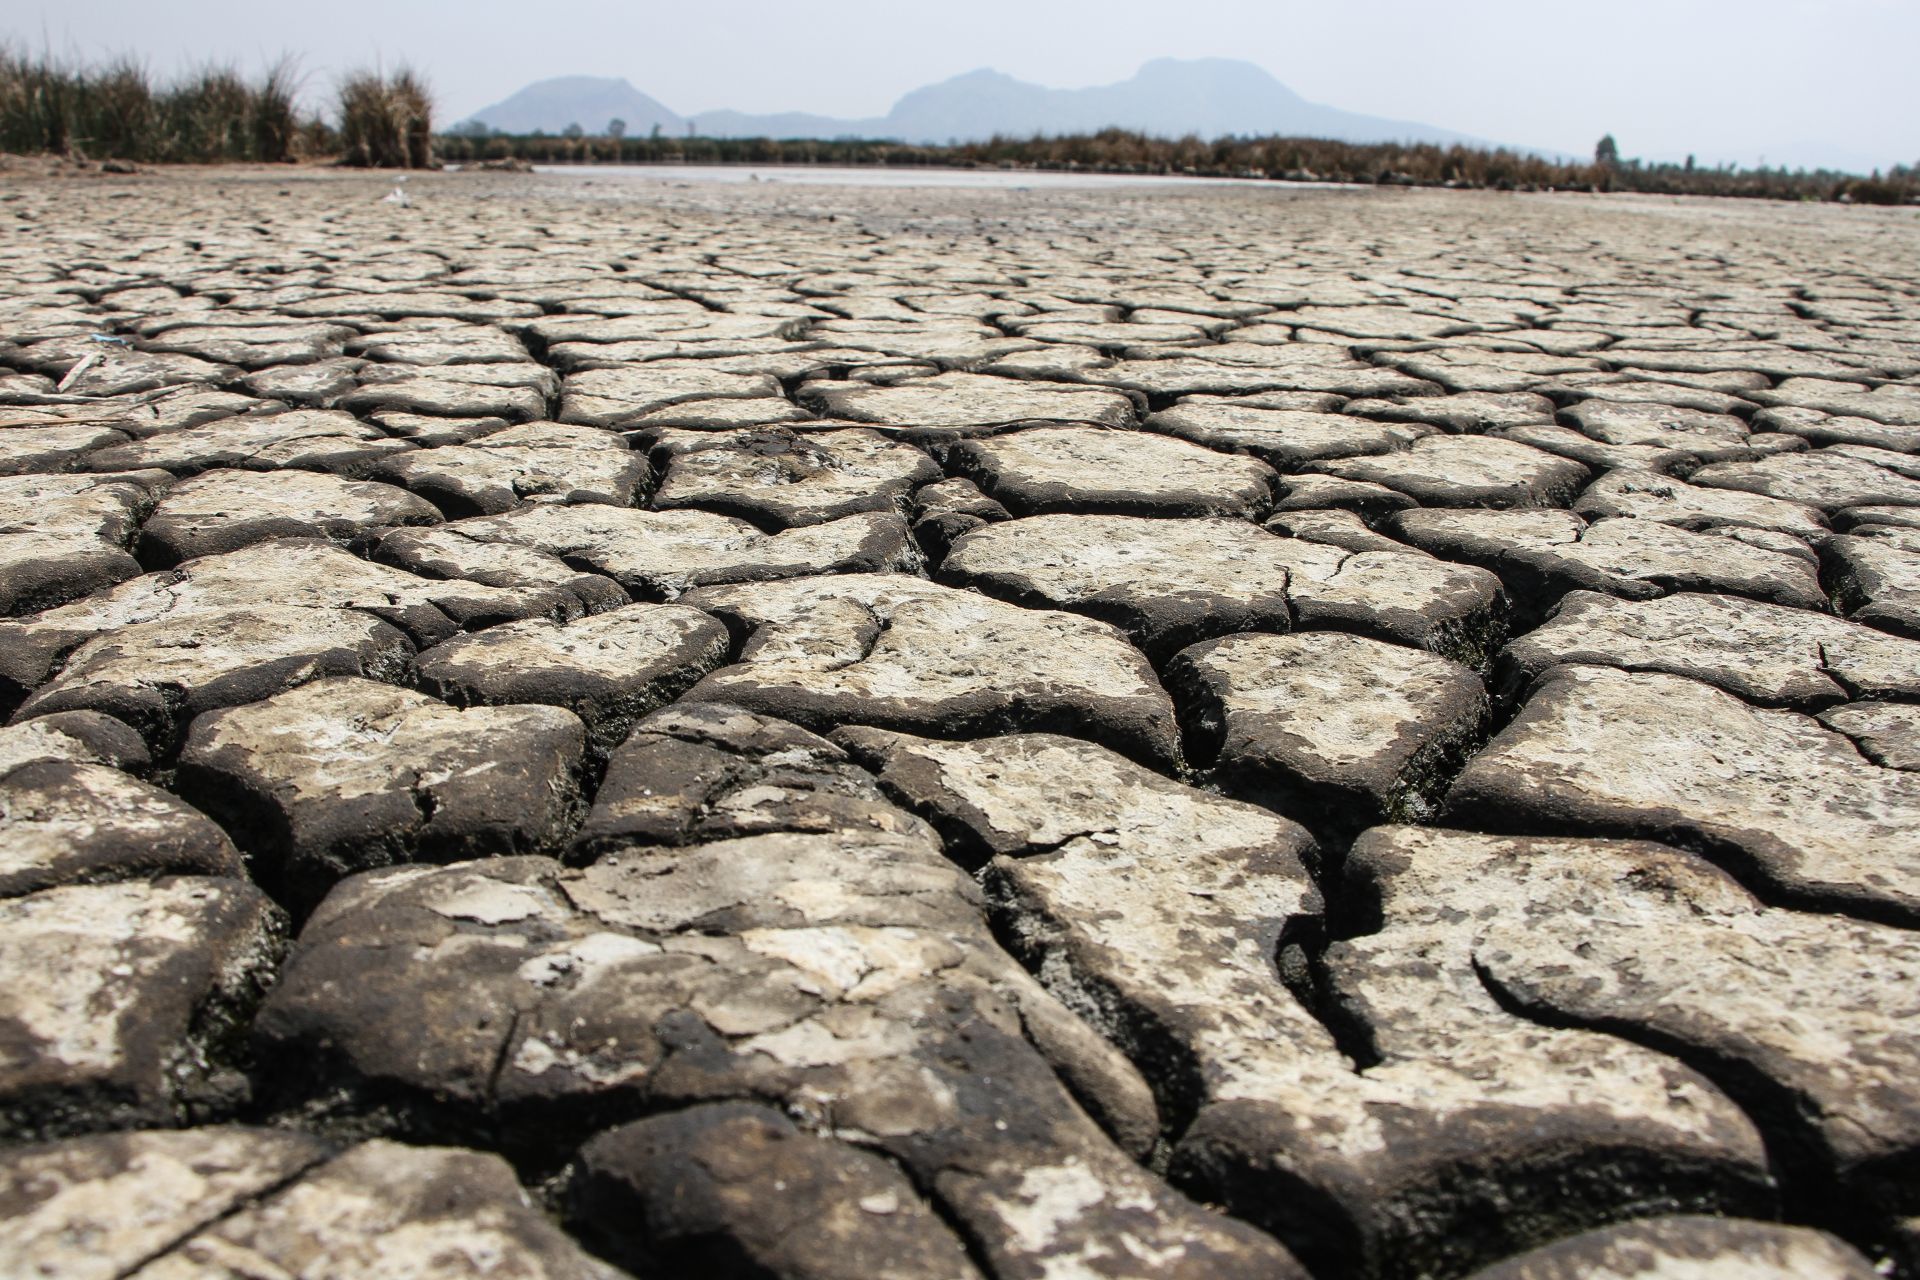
(1796,81)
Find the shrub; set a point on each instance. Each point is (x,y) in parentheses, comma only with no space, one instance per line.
(1873,191)
(205,117)
(386,121)
(275,119)
(125,118)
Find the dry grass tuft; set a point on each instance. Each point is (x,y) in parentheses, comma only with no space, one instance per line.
(386,121)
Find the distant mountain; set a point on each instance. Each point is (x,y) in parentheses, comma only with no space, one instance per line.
(1211,97)
(588,101)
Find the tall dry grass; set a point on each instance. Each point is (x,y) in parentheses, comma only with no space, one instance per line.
(386,120)
(117,110)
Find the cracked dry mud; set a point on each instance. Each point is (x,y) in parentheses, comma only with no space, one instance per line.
(585,728)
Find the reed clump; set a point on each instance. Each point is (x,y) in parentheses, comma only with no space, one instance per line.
(118,110)
(386,120)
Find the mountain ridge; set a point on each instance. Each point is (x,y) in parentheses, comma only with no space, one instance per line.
(1166,97)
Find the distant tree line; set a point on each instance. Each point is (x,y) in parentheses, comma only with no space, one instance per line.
(1121,151)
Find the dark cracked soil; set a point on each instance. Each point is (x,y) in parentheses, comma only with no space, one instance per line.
(580,728)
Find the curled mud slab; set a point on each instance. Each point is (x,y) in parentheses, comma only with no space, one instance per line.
(580,730)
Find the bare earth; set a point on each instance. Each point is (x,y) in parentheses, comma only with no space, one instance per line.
(577,726)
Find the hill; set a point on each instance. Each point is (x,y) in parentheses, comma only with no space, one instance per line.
(589,101)
(1167,97)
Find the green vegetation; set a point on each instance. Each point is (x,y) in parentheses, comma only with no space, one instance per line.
(1281,159)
